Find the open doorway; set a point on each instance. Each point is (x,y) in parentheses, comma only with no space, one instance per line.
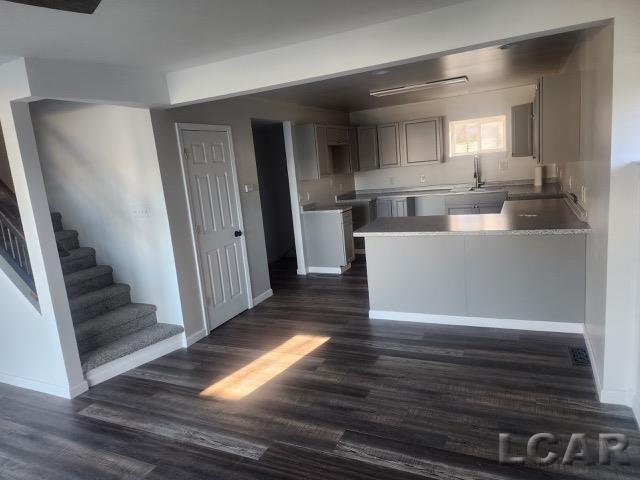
(275,194)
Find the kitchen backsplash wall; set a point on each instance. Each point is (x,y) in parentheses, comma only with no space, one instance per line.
(454,169)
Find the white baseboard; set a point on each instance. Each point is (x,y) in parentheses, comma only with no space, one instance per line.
(330,270)
(194,337)
(635,406)
(262,297)
(594,368)
(534,325)
(121,365)
(44,387)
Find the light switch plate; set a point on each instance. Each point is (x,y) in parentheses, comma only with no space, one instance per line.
(504,163)
(249,187)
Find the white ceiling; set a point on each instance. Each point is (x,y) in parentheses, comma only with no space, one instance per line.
(488,68)
(167,35)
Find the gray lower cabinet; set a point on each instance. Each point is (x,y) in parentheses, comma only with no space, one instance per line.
(395,207)
(328,239)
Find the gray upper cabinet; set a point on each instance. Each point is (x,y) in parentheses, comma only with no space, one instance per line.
(522,130)
(312,152)
(368,147)
(423,140)
(353,149)
(558,120)
(388,151)
(322,150)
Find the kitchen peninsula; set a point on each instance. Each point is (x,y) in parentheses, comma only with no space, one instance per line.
(521,268)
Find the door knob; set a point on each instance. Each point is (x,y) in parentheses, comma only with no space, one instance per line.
(237,233)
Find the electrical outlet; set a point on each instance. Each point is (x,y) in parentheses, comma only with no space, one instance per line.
(308,196)
(141,211)
(423,179)
(391,181)
(583,195)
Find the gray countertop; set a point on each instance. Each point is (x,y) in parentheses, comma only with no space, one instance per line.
(514,192)
(518,217)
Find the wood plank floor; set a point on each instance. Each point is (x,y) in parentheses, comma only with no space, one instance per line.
(378,400)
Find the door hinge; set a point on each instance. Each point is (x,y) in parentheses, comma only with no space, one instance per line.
(186,154)
(208,301)
(198,230)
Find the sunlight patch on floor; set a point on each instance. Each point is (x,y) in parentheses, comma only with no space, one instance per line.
(251,377)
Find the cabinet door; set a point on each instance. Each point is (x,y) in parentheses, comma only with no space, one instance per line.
(349,248)
(368,147)
(324,160)
(384,208)
(388,150)
(423,141)
(353,149)
(306,152)
(522,130)
(399,207)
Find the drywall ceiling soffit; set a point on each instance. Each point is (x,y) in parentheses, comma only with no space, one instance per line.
(490,68)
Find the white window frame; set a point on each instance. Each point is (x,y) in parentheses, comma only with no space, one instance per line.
(479,121)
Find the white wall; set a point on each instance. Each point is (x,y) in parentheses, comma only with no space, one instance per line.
(455,169)
(99,164)
(38,349)
(593,59)
(5,169)
(238,114)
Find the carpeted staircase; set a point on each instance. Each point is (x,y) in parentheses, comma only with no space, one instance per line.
(107,325)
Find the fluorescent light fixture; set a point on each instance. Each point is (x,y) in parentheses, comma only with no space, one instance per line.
(418,86)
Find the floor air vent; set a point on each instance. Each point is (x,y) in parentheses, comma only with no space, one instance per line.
(579,357)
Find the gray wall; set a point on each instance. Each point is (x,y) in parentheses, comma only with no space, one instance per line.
(593,60)
(5,170)
(237,113)
(275,200)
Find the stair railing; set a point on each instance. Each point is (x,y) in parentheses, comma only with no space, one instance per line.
(13,248)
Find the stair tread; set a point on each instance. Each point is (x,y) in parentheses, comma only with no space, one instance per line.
(129,344)
(62,234)
(113,318)
(77,254)
(86,274)
(98,295)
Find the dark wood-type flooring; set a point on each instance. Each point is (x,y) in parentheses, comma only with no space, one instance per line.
(379,400)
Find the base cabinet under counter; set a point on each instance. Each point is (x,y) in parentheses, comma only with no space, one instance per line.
(328,240)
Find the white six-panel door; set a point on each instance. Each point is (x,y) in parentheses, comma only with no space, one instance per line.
(212,185)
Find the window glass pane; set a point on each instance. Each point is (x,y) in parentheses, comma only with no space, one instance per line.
(477,135)
(492,136)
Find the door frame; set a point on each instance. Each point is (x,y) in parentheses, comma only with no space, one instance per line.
(180,127)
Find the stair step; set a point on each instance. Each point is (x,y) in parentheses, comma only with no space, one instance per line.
(113,325)
(129,344)
(56,219)
(99,302)
(68,239)
(78,259)
(87,280)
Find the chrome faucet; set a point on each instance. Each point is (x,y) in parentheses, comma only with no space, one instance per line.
(476,172)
